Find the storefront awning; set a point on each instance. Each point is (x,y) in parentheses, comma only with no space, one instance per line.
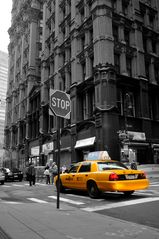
(84,142)
(138,144)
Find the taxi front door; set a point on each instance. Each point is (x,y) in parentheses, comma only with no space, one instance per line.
(80,178)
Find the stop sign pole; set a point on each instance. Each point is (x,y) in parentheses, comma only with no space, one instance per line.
(60,106)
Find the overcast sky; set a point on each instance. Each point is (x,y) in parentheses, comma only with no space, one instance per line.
(5,23)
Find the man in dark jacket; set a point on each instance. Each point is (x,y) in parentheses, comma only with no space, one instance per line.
(31,174)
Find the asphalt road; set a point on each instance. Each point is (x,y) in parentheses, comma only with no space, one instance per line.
(141,208)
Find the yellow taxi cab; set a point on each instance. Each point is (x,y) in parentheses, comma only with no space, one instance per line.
(101,175)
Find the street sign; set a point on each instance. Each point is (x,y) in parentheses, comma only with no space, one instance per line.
(60,103)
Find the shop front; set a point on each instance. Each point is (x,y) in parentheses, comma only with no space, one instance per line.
(134,148)
(47,151)
(84,146)
(155,153)
(34,155)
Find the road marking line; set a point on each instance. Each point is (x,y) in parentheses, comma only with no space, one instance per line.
(17,185)
(145,194)
(85,197)
(120,204)
(67,200)
(10,202)
(42,184)
(6,186)
(37,200)
(154,185)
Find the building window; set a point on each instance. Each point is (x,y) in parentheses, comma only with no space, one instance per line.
(144,43)
(114,4)
(115,33)
(129,109)
(129,104)
(156,70)
(117,62)
(153,45)
(83,65)
(127,36)
(86,105)
(82,14)
(155,107)
(126,103)
(82,42)
(129,66)
(147,64)
(125,4)
(151,20)
(34,116)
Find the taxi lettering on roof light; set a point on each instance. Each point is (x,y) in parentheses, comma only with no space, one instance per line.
(98,155)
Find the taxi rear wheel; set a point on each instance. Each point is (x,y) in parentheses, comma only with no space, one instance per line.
(128,193)
(93,190)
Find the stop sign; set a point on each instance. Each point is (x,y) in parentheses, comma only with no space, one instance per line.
(60,103)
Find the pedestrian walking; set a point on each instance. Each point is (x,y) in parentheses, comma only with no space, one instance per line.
(54,171)
(63,168)
(47,174)
(31,174)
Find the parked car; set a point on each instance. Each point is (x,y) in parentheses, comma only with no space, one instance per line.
(8,174)
(2,176)
(97,176)
(17,174)
(12,175)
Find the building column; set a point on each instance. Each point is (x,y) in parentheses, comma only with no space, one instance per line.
(32,60)
(106,118)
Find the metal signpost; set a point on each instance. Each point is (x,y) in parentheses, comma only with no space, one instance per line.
(60,106)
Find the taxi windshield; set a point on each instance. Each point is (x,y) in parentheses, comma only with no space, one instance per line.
(111,165)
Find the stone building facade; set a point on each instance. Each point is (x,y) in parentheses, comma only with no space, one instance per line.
(105,54)
(3,89)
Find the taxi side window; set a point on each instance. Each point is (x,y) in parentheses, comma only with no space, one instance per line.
(85,168)
(73,169)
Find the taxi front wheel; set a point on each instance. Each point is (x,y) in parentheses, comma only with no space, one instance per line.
(93,190)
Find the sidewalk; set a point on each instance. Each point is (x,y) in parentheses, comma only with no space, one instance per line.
(48,222)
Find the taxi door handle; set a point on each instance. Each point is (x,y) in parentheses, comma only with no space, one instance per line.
(86,174)
(73,175)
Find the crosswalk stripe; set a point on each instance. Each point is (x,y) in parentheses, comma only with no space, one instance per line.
(84,197)
(37,200)
(153,183)
(67,200)
(17,185)
(42,184)
(120,204)
(10,202)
